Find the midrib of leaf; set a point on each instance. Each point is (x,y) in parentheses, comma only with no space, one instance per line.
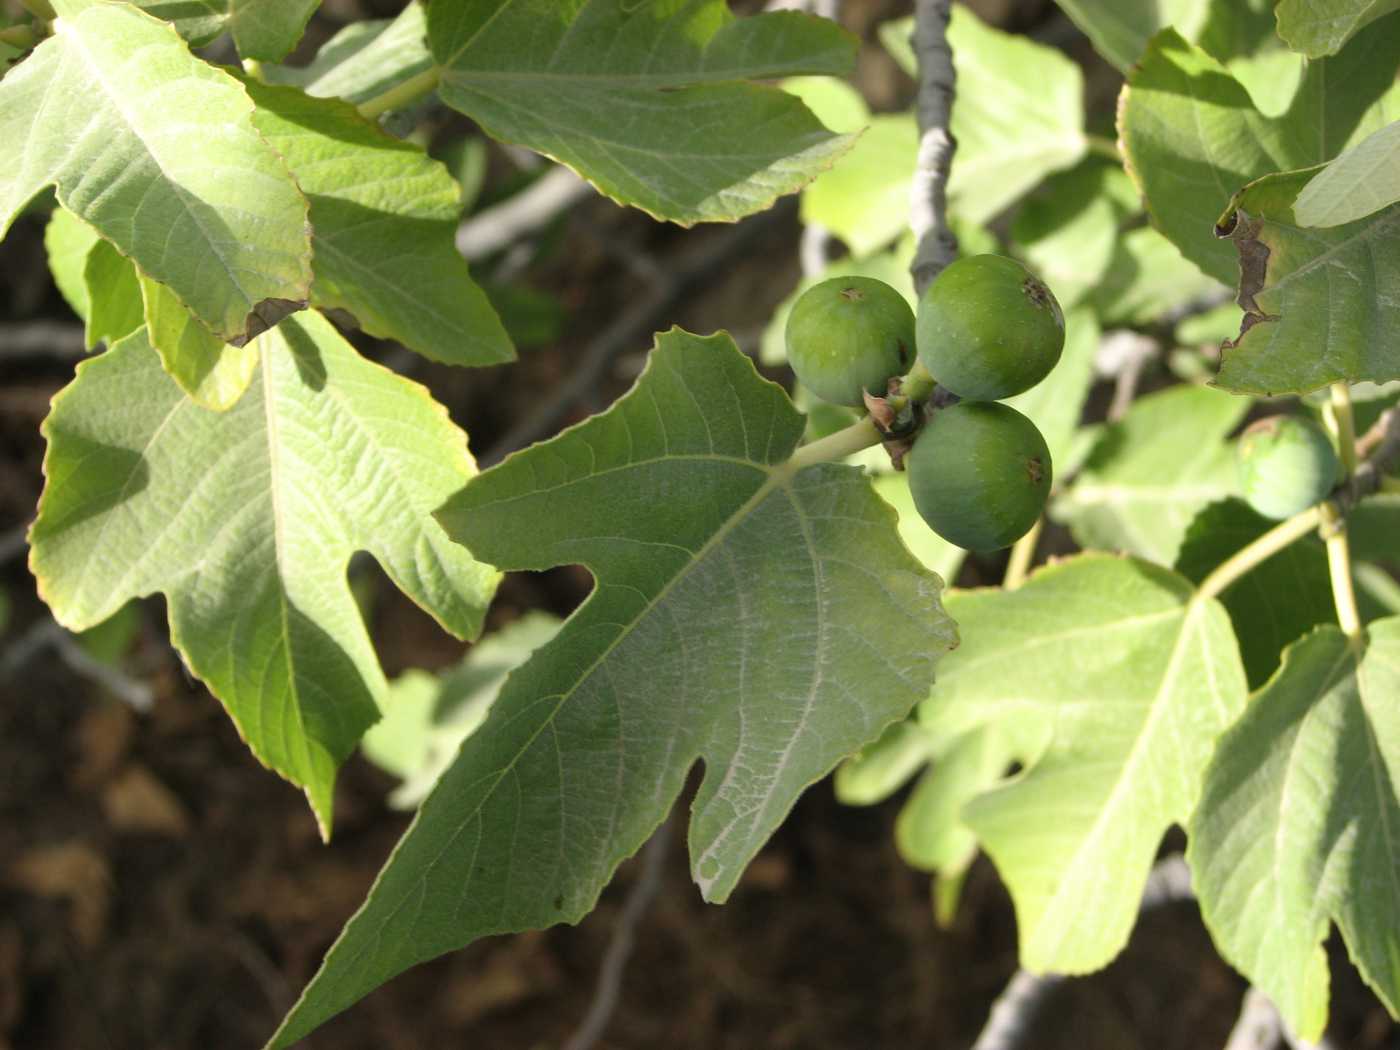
(1059,637)
(818,676)
(777,476)
(275,498)
(1363,236)
(115,99)
(1127,778)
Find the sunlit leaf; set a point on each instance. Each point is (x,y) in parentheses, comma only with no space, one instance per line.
(245,521)
(1296,828)
(730,624)
(156,150)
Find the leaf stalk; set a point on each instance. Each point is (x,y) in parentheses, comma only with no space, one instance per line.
(1261,550)
(401,94)
(835,447)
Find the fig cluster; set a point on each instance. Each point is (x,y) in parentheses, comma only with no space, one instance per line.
(986,329)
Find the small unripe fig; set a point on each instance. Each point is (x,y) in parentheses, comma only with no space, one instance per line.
(1287,464)
(980,473)
(848,335)
(988,328)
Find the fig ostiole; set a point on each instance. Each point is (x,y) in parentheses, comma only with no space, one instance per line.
(1287,464)
(849,335)
(980,474)
(988,328)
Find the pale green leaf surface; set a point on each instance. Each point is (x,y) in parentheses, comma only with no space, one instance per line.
(1319,303)
(246,519)
(1299,826)
(1018,116)
(67,242)
(1129,681)
(930,833)
(1364,179)
(1068,229)
(418,738)
(878,770)
(864,198)
(731,623)
(213,374)
(263,29)
(1151,472)
(652,103)
(834,102)
(1193,137)
(1120,29)
(1147,279)
(156,150)
(930,548)
(1321,27)
(1273,605)
(114,296)
(364,59)
(384,216)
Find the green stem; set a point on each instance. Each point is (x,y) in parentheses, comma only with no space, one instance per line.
(1103,147)
(21,37)
(401,94)
(918,384)
(1261,550)
(1345,424)
(254,69)
(1334,526)
(835,447)
(1022,557)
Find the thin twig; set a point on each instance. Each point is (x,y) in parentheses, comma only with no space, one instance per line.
(669,287)
(1011,1022)
(42,339)
(1122,356)
(929,193)
(49,635)
(609,987)
(812,251)
(496,227)
(1259,1026)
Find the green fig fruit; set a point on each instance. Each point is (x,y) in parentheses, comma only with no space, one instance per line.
(849,335)
(988,328)
(1287,464)
(980,474)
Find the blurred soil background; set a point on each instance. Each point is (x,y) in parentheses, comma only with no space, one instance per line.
(159,890)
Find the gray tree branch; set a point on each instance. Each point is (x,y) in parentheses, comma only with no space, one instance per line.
(937,247)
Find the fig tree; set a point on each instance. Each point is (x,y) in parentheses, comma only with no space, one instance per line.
(980,473)
(848,335)
(1287,464)
(988,328)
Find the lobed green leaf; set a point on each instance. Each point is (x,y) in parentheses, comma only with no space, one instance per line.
(383,218)
(245,520)
(1297,825)
(156,150)
(653,103)
(1117,681)
(1150,473)
(731,623)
